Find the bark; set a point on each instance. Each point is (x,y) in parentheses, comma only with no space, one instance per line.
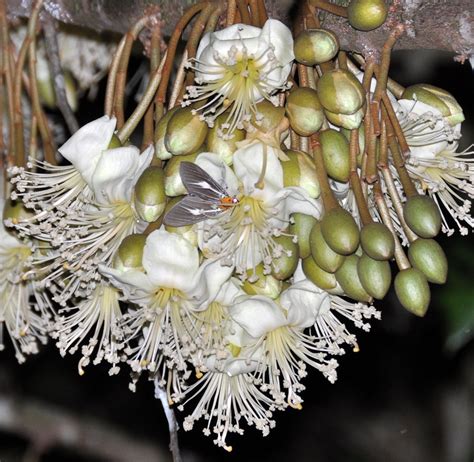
(430,24)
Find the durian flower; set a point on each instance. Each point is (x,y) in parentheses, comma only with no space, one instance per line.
(240,66)
(161,331)
(244,235)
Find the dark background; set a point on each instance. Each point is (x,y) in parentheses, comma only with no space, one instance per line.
(408,395)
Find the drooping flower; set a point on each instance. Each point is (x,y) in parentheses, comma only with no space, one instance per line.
(240,66)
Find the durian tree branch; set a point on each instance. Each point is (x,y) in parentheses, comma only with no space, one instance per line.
(430,24)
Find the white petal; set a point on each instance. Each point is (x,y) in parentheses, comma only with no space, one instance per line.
(277,34)
(170,260)
(257,315)
(296,200)
(130,282)
(84,148)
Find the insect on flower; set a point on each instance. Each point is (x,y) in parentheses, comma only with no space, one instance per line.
(206,198)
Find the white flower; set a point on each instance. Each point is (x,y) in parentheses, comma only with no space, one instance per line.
(168,293)
(240,65)
(244,235)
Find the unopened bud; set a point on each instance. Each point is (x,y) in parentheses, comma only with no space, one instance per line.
(150,198)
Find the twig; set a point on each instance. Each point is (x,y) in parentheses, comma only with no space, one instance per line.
(162,395)
(52,51)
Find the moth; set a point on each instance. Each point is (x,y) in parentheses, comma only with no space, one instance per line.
(206,198)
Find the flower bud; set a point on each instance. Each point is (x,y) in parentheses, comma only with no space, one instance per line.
(150,198)
(114,142)
(130,253)
(188,232)
(301,228)
(427,256)
(375,276)
(377,241)
(413,291)
(299,171)
(222,144)
(173,184)
(160,148)
(259,283)
(347,121)
(367,14)
(348,278)
(284,266)
(48,96)
(323,255)
(268,117)
(340,92)
(437,98)
(315,46)
(422,216)
(340,231)
(304,111)
(185,132)
(335,150)
(319,277)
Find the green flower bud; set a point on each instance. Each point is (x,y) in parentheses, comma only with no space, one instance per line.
(437,98)
(185,132)
(283,267)
(348,278)
(160,149)
(347,121)
(258,283)
(173,184)
(335,154)
(315,46)
(377,241)
(422,216)
(427,256)
(413,291)
(375,276)
(367,14)
(323,255)
(300,171)
(114,142)
(319,277)
(304,111)
(219,143)
(188,232)
(150,198)
(130,253)
(340,92)
(301,228)
(48,96)
(268,117)
(340,231)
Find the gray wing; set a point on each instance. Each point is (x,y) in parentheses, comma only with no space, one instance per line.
(199,183)
(190,210)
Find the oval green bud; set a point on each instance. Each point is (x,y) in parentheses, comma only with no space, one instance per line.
(427,256)
(413,291)
(375,276)
(284,266)
(335,154)
(301,228)
(268,117)
(160,149)
(130,253)
(48,96)
(299,170)
(437,98)
(304,111)
(422,216)
(188,232)
(348,278)
(377,241)
(367,14)
(340,92)
(259,283)
(319,277)
(221,143)
(173,184)
(323,255)
(347,121)
(150,197)
(185,132)
(315,46)
(340,231)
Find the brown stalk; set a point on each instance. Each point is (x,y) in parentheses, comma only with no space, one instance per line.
(330,7)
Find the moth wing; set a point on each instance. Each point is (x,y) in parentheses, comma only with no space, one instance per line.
(199,183)
(191,210)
